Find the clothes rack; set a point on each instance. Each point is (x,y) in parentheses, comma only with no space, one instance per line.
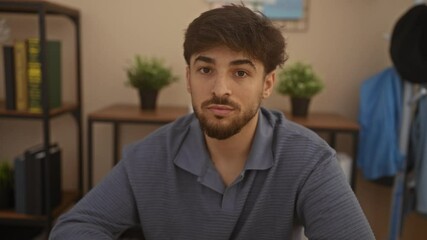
(413,92)
(399,182)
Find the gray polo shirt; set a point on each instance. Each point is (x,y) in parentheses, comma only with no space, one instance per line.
(194,158)
(168,184)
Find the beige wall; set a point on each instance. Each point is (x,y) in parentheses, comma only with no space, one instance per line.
(344,43)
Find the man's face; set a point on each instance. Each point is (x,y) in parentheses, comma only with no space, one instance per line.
(226,89)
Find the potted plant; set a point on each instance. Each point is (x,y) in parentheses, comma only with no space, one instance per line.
(6,185)
(149,76)
(300,83)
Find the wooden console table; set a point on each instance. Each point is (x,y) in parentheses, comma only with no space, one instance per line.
(125,114)
(329,123)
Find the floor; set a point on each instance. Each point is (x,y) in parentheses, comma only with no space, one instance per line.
(375,200)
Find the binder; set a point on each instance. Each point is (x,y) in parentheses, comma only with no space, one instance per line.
(30,176)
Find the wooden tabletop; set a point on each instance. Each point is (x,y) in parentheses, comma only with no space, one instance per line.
(66,107)
(132,113)
(166,114)
(325,121)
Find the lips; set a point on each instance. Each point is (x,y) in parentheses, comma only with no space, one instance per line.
(220,110)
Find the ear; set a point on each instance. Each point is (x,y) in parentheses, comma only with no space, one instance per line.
(187,75)
(269,80)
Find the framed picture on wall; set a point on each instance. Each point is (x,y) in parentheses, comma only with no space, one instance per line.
(292,14)
(284,10)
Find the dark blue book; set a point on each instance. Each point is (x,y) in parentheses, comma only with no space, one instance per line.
(9,76)
(20,173)
(25,182)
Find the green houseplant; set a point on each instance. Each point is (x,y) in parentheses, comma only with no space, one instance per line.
(149,76)
(300,83)
(6,185)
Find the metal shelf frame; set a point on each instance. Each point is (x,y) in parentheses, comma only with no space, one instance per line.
(43,9)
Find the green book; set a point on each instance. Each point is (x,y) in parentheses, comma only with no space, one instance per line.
(54,73)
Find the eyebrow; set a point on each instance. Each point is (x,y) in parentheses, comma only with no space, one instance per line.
(204,59)
(243,61)
(235,62)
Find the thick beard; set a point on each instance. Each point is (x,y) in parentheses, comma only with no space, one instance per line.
(218,131)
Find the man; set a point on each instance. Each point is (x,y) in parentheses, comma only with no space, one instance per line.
(231,170)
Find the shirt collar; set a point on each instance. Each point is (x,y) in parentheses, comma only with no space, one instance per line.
(261,154)
(193,155)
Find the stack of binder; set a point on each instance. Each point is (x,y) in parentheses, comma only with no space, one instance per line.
(30,180)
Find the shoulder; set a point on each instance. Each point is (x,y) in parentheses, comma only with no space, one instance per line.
(162,143)
(292,135)
(295,146)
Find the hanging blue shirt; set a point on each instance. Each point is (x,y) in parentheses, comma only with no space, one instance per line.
(379,119)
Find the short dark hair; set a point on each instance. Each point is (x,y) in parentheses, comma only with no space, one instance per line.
(240,29)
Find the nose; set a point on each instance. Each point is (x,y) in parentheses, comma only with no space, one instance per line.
(221,86)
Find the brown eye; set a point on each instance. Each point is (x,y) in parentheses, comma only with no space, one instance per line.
(205,70)
(241,74)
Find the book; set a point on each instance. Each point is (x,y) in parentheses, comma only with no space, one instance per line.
(9,77)
(21,185)
(34,184)
(34,75)
(53,75)
(24,181)
(21,86)
(30,179)
(54,177)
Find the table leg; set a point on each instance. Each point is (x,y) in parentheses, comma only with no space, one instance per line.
(354,164)
(116,146)
(353,171)
(333,139)
(89,154)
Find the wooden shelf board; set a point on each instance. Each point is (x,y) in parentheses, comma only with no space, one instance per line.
(33,6)
(65,108)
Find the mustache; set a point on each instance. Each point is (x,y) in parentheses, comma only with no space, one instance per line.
(221,101)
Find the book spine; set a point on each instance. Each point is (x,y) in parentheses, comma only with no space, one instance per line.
(21,83)
(54,73)
(20,184)
(34,185)
(34,76)
(9,76)
(54,177)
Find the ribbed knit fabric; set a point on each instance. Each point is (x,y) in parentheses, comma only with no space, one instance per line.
(304,186)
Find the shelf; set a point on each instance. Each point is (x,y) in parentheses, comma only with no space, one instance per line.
(9,216)
(43,9)
(34,6)
(66,108)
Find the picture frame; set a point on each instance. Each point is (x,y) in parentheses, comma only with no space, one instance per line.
(291,15)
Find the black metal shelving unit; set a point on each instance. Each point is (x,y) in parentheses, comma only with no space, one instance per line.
(43,9)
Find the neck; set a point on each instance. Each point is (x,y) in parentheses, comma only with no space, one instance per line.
(229,155)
